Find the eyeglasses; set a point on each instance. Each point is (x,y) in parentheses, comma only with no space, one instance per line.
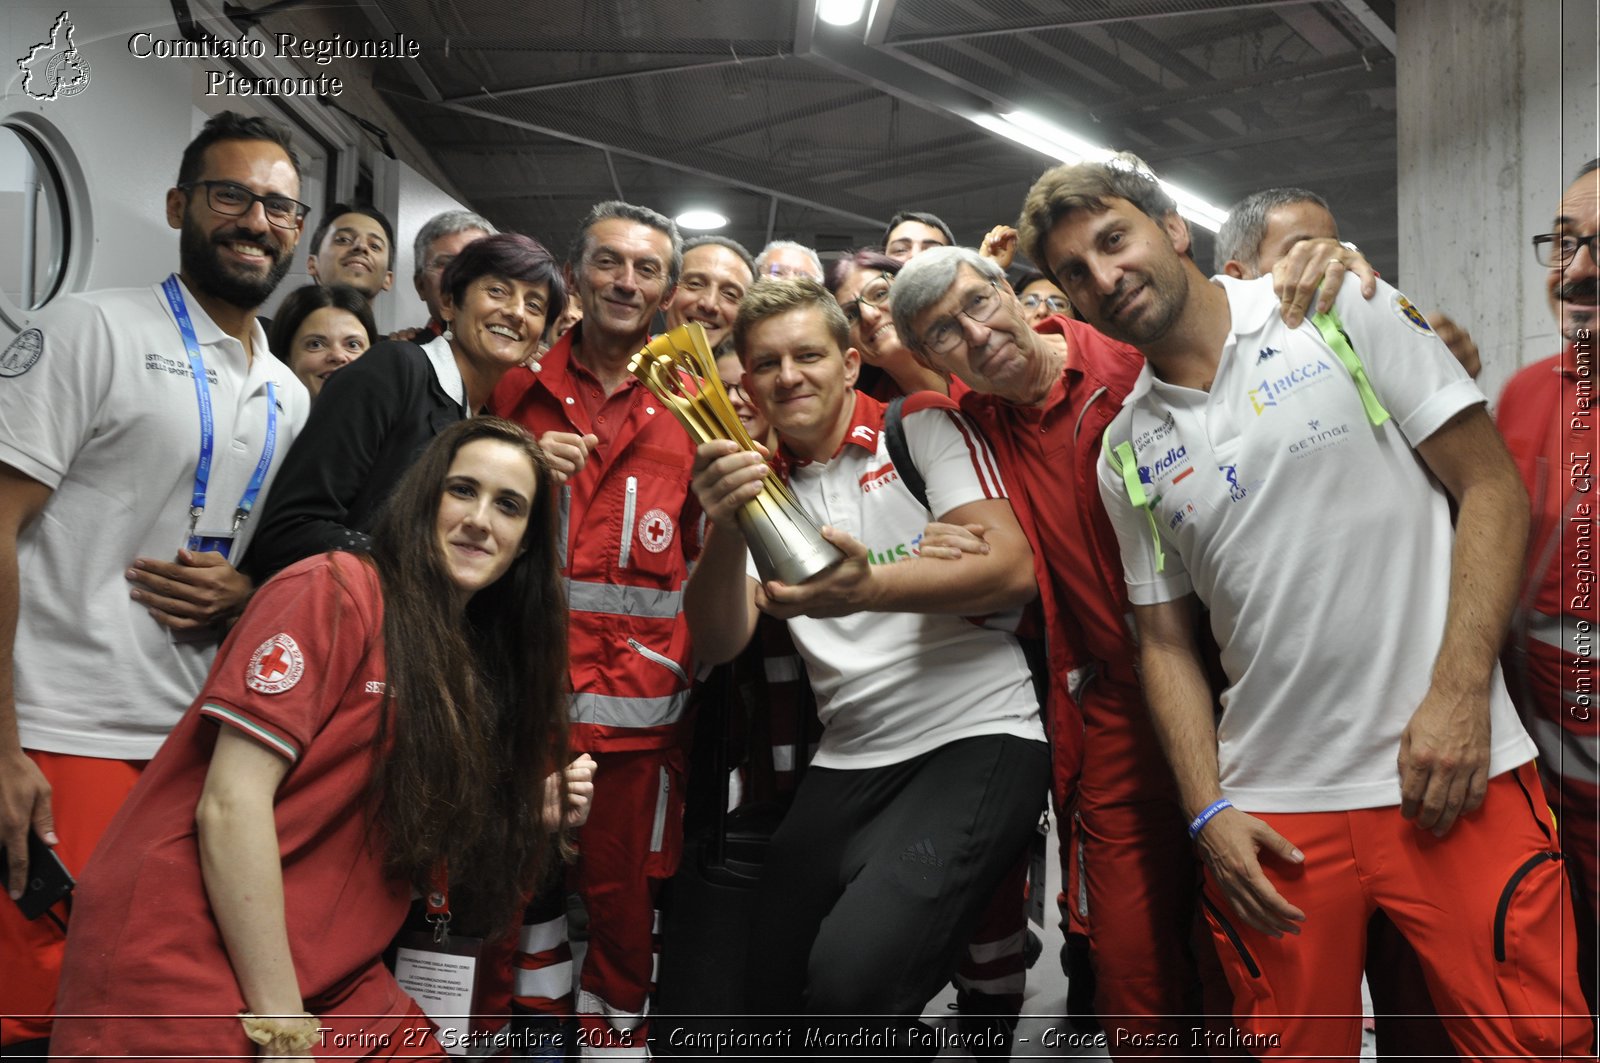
(236,200)
(874,293)
(783,269)
(1057,303)
(1558,249)
(945,336)
(735,391)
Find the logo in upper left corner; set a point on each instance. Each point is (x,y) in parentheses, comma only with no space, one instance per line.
(276,665)
(54,68)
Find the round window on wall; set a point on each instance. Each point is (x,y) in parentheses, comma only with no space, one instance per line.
(35,224)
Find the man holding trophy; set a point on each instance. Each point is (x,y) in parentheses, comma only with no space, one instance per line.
(932,769)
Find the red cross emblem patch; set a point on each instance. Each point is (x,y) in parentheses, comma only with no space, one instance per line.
(276,666)
(655,530)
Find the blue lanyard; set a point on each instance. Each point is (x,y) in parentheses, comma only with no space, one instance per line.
(202,394)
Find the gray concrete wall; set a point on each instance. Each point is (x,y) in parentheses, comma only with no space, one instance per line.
(1497,109)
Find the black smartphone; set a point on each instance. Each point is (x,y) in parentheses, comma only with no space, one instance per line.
(48,878)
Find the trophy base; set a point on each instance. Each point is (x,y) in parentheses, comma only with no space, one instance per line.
(784,559)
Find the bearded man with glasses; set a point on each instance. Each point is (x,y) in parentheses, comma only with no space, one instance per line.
(139,429)
(1547,416)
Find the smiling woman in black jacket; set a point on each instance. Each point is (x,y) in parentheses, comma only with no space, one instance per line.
(378,413)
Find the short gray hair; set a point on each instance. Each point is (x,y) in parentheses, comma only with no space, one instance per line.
(789,245)
(1239,239)
(728,242)
(446,224)
(924,281)
(616,209)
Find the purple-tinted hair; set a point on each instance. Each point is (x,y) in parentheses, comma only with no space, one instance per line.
(869,259)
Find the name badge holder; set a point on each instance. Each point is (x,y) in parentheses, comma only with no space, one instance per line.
(440,971)
(221,544)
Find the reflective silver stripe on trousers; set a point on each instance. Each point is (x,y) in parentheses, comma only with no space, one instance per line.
(591,1003)
(548,983)
(1572,756)
(989,951)
(1568,633)
(623,601)
(603,710)
(542,937)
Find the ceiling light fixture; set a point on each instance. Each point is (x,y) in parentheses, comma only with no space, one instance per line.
(700,218)
(1047,138)
(841,12)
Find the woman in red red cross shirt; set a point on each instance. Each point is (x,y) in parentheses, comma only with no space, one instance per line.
(377,723)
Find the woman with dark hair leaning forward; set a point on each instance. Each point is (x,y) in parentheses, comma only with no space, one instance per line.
(378,723)
(374,416)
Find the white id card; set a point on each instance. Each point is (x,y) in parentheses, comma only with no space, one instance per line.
(442,978)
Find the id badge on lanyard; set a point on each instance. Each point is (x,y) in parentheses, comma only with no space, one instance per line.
(222,544)
(440,971)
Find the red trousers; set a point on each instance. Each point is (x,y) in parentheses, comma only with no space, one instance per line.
(86,793)
(1138,876)
(1486,908)
(628,848)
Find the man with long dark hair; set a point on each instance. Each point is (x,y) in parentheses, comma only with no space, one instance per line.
(139,428)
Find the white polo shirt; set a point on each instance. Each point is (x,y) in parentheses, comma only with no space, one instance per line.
(892,686)
(1320,544)
(97,403)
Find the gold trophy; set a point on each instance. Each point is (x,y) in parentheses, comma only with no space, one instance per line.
(680,370)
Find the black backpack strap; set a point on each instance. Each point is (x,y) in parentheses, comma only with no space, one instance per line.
(894,437)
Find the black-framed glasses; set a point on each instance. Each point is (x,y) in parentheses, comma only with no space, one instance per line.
(945,336)
(1056,303)
(235,200)
(735,391)
(1558,249)
(874,293)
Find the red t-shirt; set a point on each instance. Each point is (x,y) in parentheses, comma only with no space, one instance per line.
(1548,421)
(1049,454)
(302,673)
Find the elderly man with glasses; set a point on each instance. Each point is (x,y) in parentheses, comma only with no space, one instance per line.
(1547,416)
(1044,398)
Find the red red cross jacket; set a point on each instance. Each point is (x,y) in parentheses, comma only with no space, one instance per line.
(631,526)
